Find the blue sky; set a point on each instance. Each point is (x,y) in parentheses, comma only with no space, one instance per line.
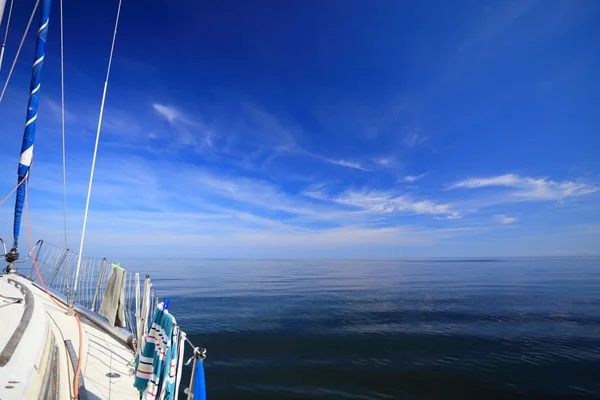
(317,128)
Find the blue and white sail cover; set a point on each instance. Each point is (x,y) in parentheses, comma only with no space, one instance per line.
(30,124)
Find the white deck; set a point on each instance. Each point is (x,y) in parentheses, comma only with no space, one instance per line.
(101,355)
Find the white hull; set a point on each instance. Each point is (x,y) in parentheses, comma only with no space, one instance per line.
(39,366)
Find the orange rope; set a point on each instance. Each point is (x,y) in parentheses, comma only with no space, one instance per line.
(78,371)
(37,271)
(10,194)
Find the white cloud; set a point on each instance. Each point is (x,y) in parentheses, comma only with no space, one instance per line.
(503,219)
(502,180)
(56,110)
(168,112)
(414,139)
(344,163)
(192,233)
(293,148)
(189,132)
(216,211)
(386,161)
(385,202)
(414,178)
(255,192)
(530,188)
(454,215)
(119,122)
(282,138)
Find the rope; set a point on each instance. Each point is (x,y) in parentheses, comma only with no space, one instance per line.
(6,33)
(87,202)
(12,68)
(199,352)
(12,191)
(62,88)
(33,258)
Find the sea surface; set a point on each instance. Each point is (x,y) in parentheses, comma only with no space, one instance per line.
(408,329)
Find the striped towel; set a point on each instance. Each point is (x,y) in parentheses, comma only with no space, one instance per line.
(156,364)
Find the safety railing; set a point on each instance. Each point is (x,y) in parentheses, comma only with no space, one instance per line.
(57,265)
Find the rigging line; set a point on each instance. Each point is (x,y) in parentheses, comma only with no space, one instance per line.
(6,33)
(12,191)
(62,87)
(37,270)
(12,68)
(87,202)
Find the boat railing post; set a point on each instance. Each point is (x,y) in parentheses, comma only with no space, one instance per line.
(138,310)
(30,254)
(60,264)
(3,246)
(37,256)
(98,285)
(143,322)
(38,243)
(190,393)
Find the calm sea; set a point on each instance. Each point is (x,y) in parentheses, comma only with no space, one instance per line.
(412,329)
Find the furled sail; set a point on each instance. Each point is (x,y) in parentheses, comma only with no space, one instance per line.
(2,7)
(30,124)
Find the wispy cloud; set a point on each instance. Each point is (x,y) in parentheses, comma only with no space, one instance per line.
(237,166)
(123,124)
(255,192)
(414,139)
(502,180)
(343,163)
(284,138)
(530,188)
(168,112)
(387,202)
(190,132)
(214,234)
(220,209)
(494,22)
(56,110)
(385,161)
(414,178)
(503,219)
(259,125)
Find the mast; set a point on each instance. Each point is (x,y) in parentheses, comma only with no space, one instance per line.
(30,124)
(2,7)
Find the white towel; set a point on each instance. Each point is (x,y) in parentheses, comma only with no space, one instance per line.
(112,306)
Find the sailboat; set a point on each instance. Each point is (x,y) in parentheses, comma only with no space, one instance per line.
(77,327)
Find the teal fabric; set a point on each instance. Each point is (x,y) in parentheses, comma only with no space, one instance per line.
(170,370)
(158,354)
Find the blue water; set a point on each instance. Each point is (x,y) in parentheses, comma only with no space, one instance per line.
(446,329)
